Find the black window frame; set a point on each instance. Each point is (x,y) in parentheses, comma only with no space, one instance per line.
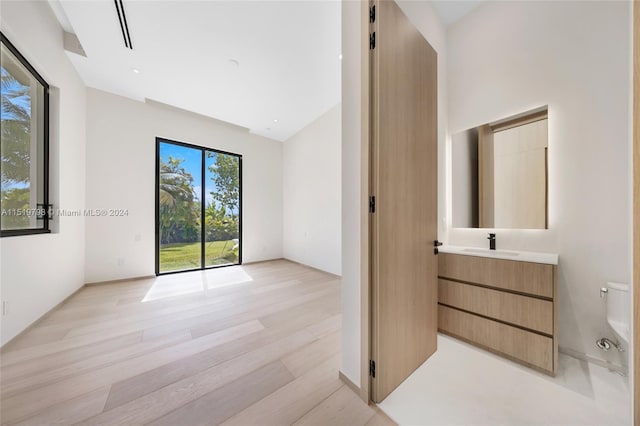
(45,149)
(203,149)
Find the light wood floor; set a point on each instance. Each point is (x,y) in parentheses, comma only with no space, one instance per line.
(257,344)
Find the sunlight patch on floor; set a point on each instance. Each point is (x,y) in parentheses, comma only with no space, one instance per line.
(173,285)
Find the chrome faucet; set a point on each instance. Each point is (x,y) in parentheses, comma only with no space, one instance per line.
(492,241)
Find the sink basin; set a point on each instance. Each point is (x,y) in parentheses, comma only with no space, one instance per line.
(492,252)
(514,255)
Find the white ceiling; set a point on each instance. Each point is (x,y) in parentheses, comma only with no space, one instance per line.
(451,11)
(287,51)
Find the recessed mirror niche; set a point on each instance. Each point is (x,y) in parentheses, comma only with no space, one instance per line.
(500,177)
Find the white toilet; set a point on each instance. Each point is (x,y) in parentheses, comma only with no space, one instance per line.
(618,312)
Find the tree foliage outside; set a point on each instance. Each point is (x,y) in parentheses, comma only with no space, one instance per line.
(16,148)
(226,177)
(223,214)
(18,199)
(180,213)
(179,208)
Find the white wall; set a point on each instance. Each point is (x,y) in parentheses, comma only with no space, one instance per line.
(352,196)
(353,199)
(39,271)
(121,174)
(508,57)
(311,175)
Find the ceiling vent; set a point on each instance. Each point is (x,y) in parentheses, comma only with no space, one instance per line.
(123,24)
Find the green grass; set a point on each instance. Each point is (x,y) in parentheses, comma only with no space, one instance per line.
(175,257)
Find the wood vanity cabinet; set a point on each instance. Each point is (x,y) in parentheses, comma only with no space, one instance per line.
(507,307)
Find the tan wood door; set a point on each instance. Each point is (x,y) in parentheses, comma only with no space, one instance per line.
(403,173)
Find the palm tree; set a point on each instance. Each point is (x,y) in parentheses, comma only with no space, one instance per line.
(15,157)
(175,183)
(16,127)
(177,203)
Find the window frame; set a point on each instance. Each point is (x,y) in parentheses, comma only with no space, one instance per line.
(203,150)
(45,148)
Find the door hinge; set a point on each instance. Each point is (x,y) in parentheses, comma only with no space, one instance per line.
(372,204)
(372,368)
(436,244)
(372,14)
(372,40)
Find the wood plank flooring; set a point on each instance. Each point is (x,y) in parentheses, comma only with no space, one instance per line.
(248,345)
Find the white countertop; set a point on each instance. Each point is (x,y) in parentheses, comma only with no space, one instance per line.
(517,255)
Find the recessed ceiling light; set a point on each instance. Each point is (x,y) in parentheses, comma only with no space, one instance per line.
(135,70)
(268,128)
(275,121)
(340,56)
(234,62)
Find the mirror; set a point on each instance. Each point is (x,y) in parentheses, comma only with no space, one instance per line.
(500,173)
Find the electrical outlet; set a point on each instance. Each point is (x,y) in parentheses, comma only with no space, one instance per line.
(5,308)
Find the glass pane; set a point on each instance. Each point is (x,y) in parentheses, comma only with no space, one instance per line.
(179,209)
(222,213)
(22,148)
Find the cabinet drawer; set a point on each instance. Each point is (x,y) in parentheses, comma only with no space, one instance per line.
(531,348)
(529,312)
(523,277)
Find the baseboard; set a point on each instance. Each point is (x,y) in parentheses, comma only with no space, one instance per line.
(312,267)
(292,261)
(348,382)
(256,262)
(39,320)
(371,404)
(597,361)
(121,280)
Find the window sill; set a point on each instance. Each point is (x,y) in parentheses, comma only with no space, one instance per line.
(20,232)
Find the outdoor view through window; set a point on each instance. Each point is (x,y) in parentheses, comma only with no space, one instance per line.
(187,175)
(24,146)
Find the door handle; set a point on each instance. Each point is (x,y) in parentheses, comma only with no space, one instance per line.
(436,244)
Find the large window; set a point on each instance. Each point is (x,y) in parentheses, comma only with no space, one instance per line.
(24,190)
(198,207)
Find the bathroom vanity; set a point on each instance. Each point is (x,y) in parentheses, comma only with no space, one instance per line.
(503,301)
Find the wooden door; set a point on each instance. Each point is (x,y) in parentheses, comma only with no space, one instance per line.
(403,72)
